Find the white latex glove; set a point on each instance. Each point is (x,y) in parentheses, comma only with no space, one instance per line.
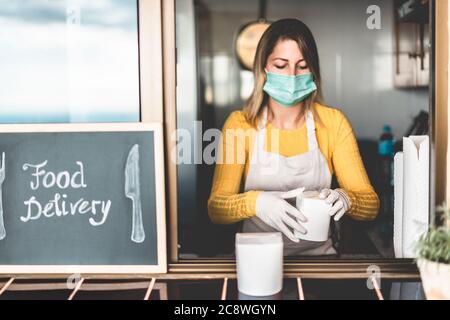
(275,211)
(339,201)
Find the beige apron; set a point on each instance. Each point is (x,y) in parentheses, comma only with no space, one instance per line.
(270,171)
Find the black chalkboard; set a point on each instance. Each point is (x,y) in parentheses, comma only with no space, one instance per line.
(68,198)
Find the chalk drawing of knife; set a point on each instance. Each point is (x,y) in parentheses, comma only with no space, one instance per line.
(2,178)
(132,191)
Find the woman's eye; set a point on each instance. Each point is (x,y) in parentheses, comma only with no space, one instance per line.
(280,67)
(302,67)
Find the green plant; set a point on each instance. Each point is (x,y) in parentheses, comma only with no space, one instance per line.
(434,245)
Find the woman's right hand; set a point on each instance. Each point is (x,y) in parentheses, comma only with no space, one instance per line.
(275,211)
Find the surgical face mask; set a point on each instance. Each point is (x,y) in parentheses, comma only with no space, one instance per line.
(289,90)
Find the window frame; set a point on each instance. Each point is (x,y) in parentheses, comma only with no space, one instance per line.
(314,268)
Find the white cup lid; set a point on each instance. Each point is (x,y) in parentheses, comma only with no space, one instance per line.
(310,194)
(259,238)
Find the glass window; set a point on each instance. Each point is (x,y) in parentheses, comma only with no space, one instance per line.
(375,68)
(69,61)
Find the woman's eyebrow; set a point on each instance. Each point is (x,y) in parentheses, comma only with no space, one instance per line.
(287,60)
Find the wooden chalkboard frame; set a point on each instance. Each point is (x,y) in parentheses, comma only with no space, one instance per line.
(156,128)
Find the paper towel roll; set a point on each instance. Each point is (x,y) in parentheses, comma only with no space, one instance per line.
(398,205)
(415,191)
(259,263)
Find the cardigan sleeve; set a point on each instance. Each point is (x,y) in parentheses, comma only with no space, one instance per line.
(351,174)
(225,204)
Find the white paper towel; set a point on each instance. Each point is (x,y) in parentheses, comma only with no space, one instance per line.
(259,263)
(398,205)
(415,191)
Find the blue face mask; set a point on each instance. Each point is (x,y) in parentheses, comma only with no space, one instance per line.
(289,90)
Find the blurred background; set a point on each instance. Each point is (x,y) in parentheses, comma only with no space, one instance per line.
(69,61)
(377,75)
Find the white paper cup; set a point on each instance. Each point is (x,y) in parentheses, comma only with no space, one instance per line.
(259,263)
(317,212)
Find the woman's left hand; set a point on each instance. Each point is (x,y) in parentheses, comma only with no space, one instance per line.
(338,199)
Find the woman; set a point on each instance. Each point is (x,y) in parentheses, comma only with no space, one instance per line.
(312,142)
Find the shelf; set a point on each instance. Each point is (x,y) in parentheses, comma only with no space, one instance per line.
(218,289)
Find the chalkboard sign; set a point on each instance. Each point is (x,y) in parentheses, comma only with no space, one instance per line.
(82,198)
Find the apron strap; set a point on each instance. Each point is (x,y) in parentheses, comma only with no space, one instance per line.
(311,132)
(260,139)
(262,123)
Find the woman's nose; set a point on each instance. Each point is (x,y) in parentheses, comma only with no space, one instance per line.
(292,71)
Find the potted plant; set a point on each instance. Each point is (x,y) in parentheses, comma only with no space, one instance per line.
(433,257)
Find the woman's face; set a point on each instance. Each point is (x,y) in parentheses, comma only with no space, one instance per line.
(287,59)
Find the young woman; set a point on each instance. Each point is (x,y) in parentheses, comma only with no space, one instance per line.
(312,142)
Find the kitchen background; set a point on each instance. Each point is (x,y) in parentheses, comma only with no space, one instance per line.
(377,77)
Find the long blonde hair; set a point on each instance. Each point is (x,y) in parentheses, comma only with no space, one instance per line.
(284,29)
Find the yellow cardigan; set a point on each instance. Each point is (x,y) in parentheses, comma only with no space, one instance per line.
(337,142)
